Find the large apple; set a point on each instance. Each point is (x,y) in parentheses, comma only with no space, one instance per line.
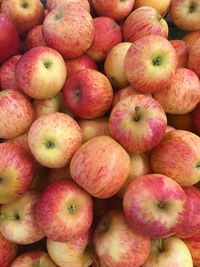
(88,94)
(69,29)
(16,172)
(18,219)
(9,39)
(183,93)
(170,251)
(64,211)
(23,14)
(178,156)
(8,251)
(35,38)
(185,14)
(154,60)
(154,205)
(53,138)
(144,21)
(93,168)
(51,4)
(41,72)
(161,6)
(117,244)
(194,57)
(138,123)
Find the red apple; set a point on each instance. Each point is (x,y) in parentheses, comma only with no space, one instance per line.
(41,72)
(161,6)
(51,4)
(93,169)
(107,34)
(183,93)
(182,50)
(194,57)
(16,114)
(154,205)
(88,94)
(138,123)
(53,138)
(177,156)
(24,14)
(8,251)
(69,29)
(193,244)
(35,38)
(155,66)
(144,21)
(191,37)
(21,140)
(9,39)
(64,211)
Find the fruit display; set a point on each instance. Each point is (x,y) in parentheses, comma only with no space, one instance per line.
(99,133)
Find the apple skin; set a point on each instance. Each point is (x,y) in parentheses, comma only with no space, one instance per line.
(24,15)
(155,66)
(69,29)
(107,34)
(92,168)
(117,244)
(80,63)
(7,73)
(53,138)
(94,127)
(64,211)
(114,65)
(33,258)
(191,223)
(8,251)
(9,39)
(59,174)
(183,93)
(71,253)
(51,4)
(41,67)
(23,228)
(182,50)
(88,94)
(177,156)
(194,57)
(137,130)
(193,244)
(143,209)
(174,252)
(181,9)
(191,37)
(35,38)
(115,9)
(144,21)
(161,6)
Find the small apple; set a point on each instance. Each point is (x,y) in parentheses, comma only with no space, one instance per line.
(8,251)
(35,38)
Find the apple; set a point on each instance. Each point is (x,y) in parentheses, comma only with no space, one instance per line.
(191,222)
(88,94)
(183,93)
(161,6)
(94,127)
(79,63)
(154,205)
(196,118)
(107,34)
(193,244)
(69,29)
(191,37)
(41,72)
(53,138)
(7,73)
(140,165)
(182,50)
(181,121)
(92,168)
(169,129)
(21,140)
(114,65)
(138,123)
(115,9)
(33,258)
(9,39)
(185,14)
(64,211)
(8,251)
(144,21)
(117,244)
(59,174)
(35,38)
(177,156)
(71,253)
(194,58)
(51,4)
(23,14)
(170,251)
(155,66)
(18,219)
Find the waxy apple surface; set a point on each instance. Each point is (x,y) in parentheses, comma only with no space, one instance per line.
(8,251)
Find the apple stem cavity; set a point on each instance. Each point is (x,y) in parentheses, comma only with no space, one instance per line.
(58,16)
(24,5)
(160,245)
(156,61)
(37,263)
(197,165)
(192,8)
(136,117)
(47,64)
(9,217)
(71,208)
(161,204)
(49,145)
(77,94)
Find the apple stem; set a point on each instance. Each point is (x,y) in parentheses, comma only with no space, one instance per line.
(37,263)
(160,245)
(165,14)
(91,252)
(137,113)
(9,217)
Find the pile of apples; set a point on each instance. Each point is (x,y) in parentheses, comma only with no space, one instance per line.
(99,133)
